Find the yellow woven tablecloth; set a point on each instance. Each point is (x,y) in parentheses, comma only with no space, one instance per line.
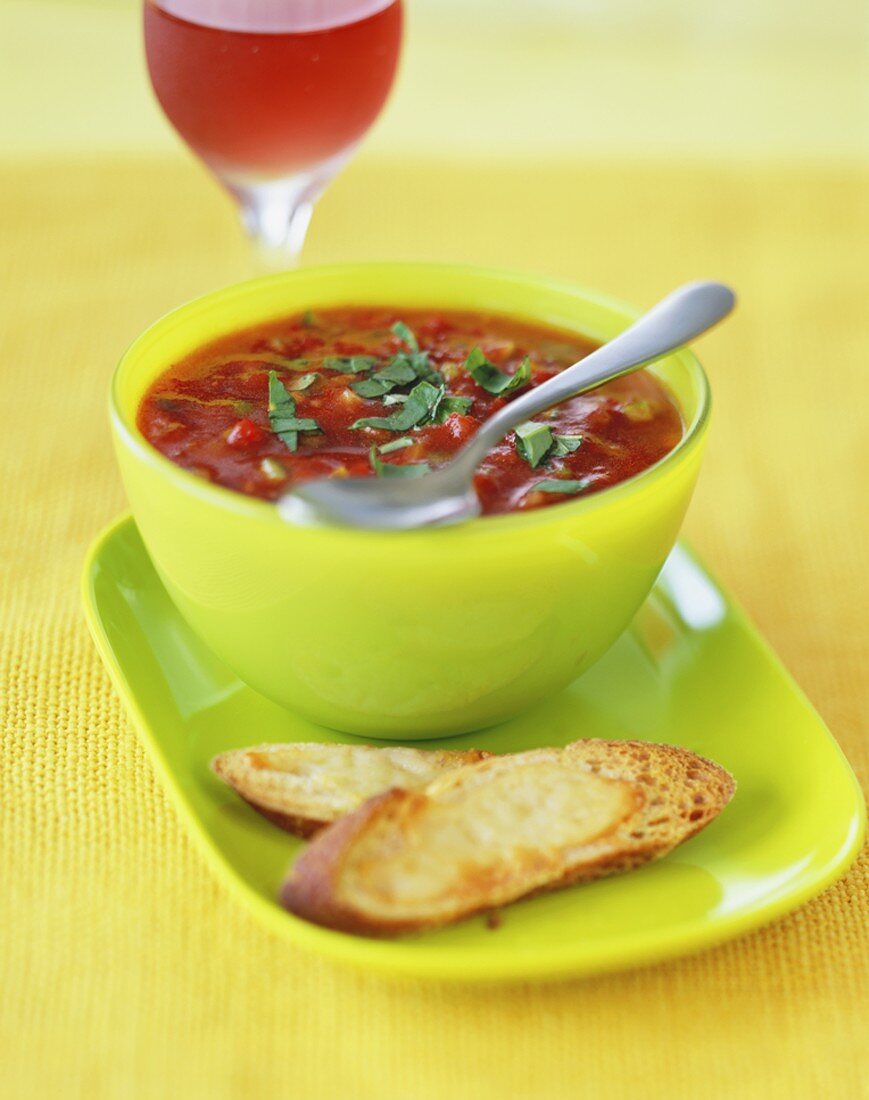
(125,970)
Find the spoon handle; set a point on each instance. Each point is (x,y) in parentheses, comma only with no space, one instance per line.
(674,321)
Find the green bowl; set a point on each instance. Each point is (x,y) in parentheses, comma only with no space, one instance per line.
(412,634)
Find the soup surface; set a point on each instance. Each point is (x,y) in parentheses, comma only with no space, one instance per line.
(394,393)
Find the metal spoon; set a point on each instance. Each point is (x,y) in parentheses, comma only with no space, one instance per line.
(446,495)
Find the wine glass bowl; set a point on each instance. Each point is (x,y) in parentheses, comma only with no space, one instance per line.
(273,97)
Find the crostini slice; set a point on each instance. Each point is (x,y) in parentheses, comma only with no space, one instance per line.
(488,833)
(304,787)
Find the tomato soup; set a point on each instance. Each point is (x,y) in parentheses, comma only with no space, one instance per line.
(394,393)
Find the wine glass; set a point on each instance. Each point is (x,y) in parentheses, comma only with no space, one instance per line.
(274,96)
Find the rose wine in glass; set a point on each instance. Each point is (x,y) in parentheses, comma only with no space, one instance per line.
(273,95)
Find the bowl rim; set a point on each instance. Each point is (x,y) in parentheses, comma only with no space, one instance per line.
(265,511)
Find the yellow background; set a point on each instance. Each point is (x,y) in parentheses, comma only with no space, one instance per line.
(125,971)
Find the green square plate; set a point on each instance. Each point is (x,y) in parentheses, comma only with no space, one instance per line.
(691,671)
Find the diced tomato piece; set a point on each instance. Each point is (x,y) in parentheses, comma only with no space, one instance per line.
(244,433)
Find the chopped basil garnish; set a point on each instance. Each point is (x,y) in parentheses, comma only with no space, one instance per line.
(424,371)
(303,424)
(371,387)
(495,381)
(422,403)
(395,399)
(566,445)
(309,318)
(304,381)
(405,335)
(533,442)
(386,469)
(537,443)
(397,372)
(450,405)
(559,485)
(282,410)
(282,414)
(434,408)
(351,364)
(395,445)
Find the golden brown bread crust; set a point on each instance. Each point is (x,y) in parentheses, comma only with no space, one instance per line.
(689,790)
(311,891)
(676,794)
(304,787)
(302,827)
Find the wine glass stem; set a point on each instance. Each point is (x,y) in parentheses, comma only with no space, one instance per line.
(276,213)
(276,218)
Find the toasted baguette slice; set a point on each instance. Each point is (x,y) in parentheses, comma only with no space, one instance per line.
(304,787)
(488,833)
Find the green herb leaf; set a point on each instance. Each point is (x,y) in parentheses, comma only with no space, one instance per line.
(386,469)
(405,335)
(351,364)
(434,409)
(495,381)
(422,402)
(282,414)
(537,443)
(395,445)
(371,387)
(304,381)
(397,372)
(559,485)
(421,367)
(282,407)
(566,445)
(295,424)
(450,405)
(534,442)
(309,318)
(395,399)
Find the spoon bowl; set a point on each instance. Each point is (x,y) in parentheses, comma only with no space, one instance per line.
(362,502)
